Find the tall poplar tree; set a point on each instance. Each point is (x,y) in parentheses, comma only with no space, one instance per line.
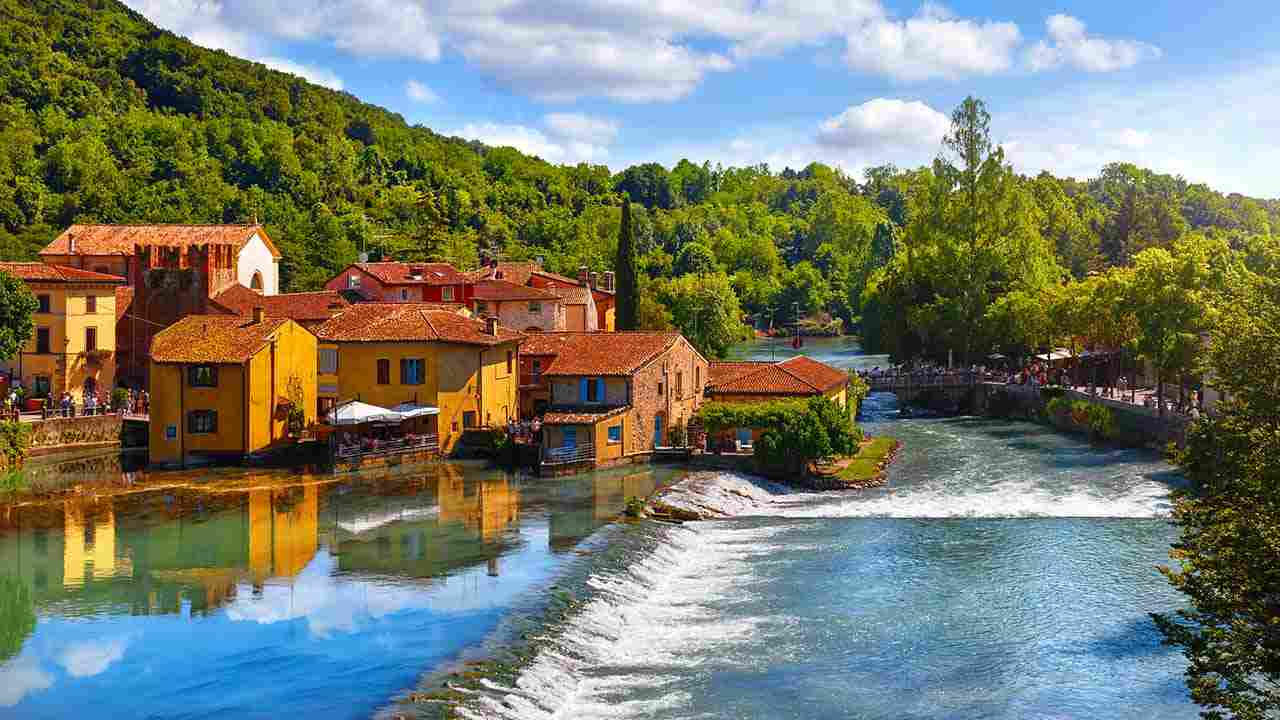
(628,289)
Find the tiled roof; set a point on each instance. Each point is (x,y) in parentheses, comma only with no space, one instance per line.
(799,375)
(576,295)
(40,272)
(583,353)
(399,273)
(124,298)
(572,416)
(308,306)
(513,272)
(121,239)
(409,322)
(501,290)
(213,339)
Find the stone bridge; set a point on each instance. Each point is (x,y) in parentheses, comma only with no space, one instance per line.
(941,390)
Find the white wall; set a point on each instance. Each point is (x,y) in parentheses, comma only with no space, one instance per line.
(256,257)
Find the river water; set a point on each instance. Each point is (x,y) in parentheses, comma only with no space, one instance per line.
(1006,571)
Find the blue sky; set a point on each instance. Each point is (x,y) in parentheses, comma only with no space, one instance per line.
(1181,87)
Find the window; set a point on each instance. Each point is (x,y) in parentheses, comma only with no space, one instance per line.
(205,376)
(404,293)
(90,339)
(536,365)
(615,434)
(255,283)
(535,307)
(469,419)
(202,422)
(447,294)
(679,383)
(91,304)
(353,282)
(42,340)
(43,300)
(412,371)
(662,390)
(697,378)
(511,361)
(327,361)
(42,386)
(384,371)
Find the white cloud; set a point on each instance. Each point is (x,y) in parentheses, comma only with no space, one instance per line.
(530,141)
(317,75)
(93,657)
(932,44)
(1132,139)
(581,127)
(419,92)
(1069,44)
(21,676)
(366,28)
(883,122)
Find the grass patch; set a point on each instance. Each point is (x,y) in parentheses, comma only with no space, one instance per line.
(865,466)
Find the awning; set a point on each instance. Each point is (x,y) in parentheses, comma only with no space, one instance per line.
(1059,354)
(354,412)
(410,410)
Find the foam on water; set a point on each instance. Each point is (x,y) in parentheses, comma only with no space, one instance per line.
(640,626)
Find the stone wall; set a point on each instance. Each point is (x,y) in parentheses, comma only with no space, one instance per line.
(1134,425)
(76,431)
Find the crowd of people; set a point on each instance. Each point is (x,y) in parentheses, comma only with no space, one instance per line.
(131,402)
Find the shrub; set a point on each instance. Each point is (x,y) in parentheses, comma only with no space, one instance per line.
(119,398)
(1057,407)
(15,440)
(795,432)
(1050,393)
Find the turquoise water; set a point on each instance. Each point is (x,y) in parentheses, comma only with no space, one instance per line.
(1006,571)
(234,594)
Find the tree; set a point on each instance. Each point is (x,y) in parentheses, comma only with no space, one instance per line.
(705,309)
(17,305)
(1230,523)
(627,288)
(695,259)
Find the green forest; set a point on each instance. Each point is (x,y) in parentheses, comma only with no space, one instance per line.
(109,119)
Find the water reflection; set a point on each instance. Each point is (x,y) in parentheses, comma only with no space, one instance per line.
(249,593)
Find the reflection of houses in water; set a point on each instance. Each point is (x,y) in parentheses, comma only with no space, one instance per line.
(583,503)
(429,535)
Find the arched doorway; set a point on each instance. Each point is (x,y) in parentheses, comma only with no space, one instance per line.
(256,282)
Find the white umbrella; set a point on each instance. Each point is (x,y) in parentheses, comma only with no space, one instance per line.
(355,412)
(409,410)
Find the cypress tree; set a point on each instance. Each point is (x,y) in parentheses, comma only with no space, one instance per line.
(627,288)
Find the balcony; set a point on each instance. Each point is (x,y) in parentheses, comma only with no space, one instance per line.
(569,455)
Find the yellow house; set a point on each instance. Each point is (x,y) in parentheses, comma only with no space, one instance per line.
(73,346)
(222,386)
(386,354)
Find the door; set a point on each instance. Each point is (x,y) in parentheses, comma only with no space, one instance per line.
(657,430)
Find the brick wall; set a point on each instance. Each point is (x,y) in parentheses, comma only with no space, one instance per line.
(676,408)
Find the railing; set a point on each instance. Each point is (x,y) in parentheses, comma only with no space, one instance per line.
(892,381)
(417,443)
(567,455)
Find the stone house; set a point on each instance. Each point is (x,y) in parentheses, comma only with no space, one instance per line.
(519,306)
(612,397)
(754,382)
(602,301)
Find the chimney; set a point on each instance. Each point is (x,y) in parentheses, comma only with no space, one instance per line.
(538,261)
(595,280)
(416,272)
(606,281)
(71,244)
(491,326)
(259,315)
(583,276)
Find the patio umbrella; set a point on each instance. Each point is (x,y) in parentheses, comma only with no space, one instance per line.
(409,410)
(355,412)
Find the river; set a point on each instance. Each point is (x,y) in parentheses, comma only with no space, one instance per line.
(1005,572)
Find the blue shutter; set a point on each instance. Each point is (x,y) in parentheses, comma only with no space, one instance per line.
(582,390)
(600,390)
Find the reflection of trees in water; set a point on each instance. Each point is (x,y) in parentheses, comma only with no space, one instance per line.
(17,616)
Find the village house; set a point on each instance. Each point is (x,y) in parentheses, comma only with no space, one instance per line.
(171,271)
(519,306)
(596,312)
(73,346)
(611,397)
(403,282)
(308,309)
(754,382)
(222,387)
(421,355)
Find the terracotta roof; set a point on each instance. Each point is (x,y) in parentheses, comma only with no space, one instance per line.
(799,375)
(501,290)
(124,298)
(41,272)
(308,306)
(409,322)
(513,272)
(399,273)
(122,239)
(576,295)
(599,353)
(213,339)
(556,416)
